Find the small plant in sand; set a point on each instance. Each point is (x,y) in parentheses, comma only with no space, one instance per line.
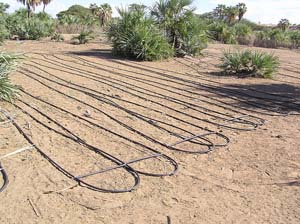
(58,37)
(83,38)
(248,63)
(8,63)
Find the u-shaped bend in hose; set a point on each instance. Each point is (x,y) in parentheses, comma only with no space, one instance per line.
(203,137)
(68,174)
(170,160)
(5,178)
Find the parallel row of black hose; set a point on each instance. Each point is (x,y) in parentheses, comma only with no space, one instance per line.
(209,145)
(192,84)
(219,90)
(112,82)
(107,99)
(158,85)
(71,136)
(144,67)
(99,97)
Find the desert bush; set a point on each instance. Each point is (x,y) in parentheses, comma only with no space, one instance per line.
(243,33)
(33,28)
(57,37)
(77,11)
(83,38)
(294,38)
(4,34)
(272,38)
(194,37)
(182,28)
(135,36)
(73,24)
(8,63)
(247,63)
(220,31)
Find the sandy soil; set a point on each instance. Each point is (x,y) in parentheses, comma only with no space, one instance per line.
(141,108)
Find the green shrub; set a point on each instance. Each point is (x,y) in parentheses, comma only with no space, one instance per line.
(57,37)
(8,63)
(251,25)
(182,28)
(38,26)
(248,63)
(243,33)
(220,31)
(4,34)
(272,38)
(83,38)
(76,11)
(295,38)
(194,37)
(135,36)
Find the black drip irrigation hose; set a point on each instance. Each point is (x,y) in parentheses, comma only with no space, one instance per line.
(4,177)
(206,87)
(79,141)
(171,161)
(263,98)
(216,90)
(195,93)
(251,124)
(94,64)
(144,118)
(161,96)
(226,139)
(95,96)
(219,88)
(178,101)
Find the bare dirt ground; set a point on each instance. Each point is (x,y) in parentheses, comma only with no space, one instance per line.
(135,110)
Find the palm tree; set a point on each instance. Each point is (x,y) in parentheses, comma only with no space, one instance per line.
(284,24)
(242,8)
(30,4)
(94,8)
(232,13)
(45,3)
(136,7)
(173,16)
(104,12)
(220,11)
(3,7)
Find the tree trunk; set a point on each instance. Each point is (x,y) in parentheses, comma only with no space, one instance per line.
(28,10)
(44,8)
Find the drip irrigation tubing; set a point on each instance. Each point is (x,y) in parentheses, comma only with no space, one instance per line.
(253,126)
(218,91)
(79,141)
(216,82)
(109,131)
(210,89)
(171,98)
(87,61)
(82,142)
(224,105)
(184,103)
(126,126)
(4,177)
